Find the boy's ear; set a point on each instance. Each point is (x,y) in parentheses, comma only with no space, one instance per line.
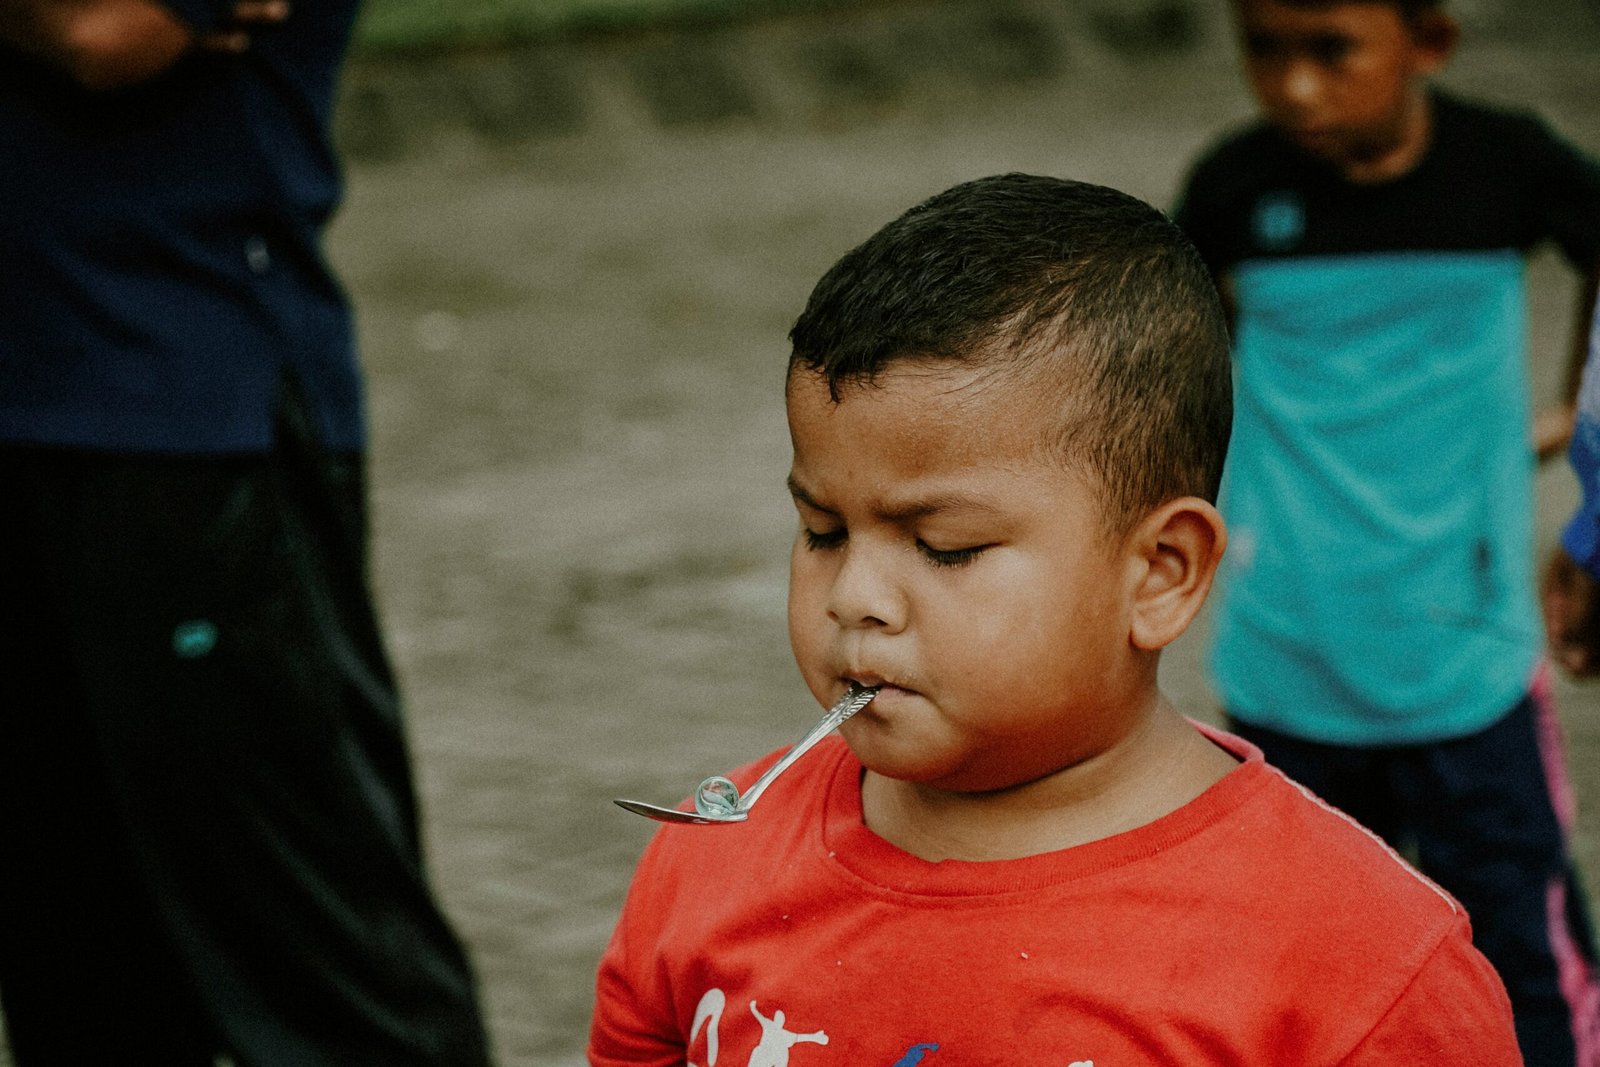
(1175,551)
(1435,34)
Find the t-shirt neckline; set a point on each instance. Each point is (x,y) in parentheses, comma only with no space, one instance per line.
(875,863)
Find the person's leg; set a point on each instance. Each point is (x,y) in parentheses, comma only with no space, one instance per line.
(258,756)
(1490,816)
(1354,780)
(87,973)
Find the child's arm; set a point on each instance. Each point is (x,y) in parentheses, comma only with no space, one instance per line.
(1570,206)
(1571,598)
(1571,588)
(1552,427)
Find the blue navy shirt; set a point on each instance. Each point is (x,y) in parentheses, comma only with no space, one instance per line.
(161,270)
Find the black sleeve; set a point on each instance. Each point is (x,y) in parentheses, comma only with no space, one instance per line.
(1199,214)
(1566,184)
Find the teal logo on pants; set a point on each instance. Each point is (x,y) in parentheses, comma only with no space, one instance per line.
(193,639)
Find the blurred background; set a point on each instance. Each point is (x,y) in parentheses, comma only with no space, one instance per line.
(577,232)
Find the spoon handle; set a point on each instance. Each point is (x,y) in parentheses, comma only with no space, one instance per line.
(853,701)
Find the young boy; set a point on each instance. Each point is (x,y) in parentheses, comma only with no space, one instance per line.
(1009,410)
(1376,630)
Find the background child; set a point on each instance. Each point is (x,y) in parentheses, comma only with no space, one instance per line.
(1377,634)
(1572,579)
(1009,410)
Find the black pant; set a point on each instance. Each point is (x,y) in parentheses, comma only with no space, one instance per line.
(1478,814)
(208,838)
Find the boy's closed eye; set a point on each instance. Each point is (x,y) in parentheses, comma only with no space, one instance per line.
(1263,47)
(950,557)
(1330,49)
(1326,49)
(825,540)
(821,540)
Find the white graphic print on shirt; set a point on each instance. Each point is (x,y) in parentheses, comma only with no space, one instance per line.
(777,1040)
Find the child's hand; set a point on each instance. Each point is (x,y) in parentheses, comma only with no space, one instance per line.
(113,44)
(1571,597)
(1552,430)
(247,16)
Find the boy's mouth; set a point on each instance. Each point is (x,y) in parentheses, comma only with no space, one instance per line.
(1312,138)
(884,687)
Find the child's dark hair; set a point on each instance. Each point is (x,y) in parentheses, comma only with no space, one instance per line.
(1090,292)
(1408,8)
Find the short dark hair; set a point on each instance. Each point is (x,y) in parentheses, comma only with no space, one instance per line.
(1408,9)
(1091,287)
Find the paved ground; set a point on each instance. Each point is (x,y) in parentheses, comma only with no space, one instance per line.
(575,345)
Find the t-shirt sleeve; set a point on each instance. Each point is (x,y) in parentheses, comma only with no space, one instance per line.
(1566,181)
(1455,1011)
(633,1024)
(1196,215)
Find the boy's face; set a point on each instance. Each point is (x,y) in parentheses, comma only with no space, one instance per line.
(1342,80)
(946,555)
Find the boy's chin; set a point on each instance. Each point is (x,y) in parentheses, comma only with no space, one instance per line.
(1325,148)
(916,769)
(888,756)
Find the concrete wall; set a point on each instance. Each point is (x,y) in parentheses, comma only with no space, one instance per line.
(836,68)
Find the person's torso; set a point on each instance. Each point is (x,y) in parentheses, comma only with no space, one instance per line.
(162,249)
(1379,584)
(1180,942)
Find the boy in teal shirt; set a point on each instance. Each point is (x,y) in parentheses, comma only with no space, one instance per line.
(1376,631)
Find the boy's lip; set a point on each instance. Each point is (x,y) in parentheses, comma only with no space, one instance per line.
(1313,137)
(874,681)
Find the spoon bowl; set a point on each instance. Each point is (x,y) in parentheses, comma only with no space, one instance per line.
(679,815)
(718,801)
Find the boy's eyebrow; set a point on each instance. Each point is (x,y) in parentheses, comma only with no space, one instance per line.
(797,491)
(904,512)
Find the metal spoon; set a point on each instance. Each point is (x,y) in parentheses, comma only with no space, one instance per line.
(717,800)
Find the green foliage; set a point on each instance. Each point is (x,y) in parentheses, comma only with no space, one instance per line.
(427,25)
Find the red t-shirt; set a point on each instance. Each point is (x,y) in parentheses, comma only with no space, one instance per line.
(1255,925)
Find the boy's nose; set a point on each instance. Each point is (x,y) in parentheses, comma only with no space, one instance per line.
(1302,85)
(864,595)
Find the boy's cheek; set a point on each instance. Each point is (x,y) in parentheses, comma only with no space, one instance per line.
(807,594)
(808,634)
